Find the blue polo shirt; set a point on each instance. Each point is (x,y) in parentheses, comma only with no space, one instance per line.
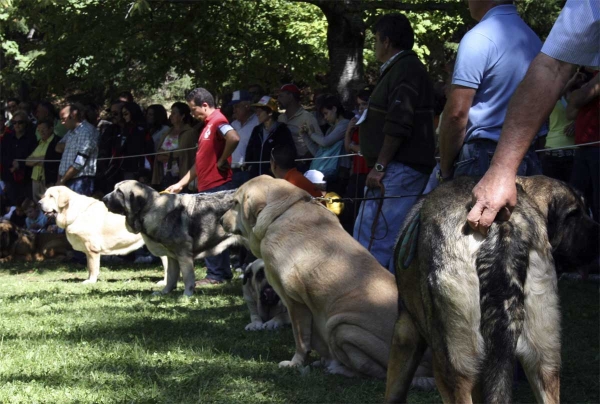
(493,58)
(575,36)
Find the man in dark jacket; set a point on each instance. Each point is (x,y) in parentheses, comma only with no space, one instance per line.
(396,137)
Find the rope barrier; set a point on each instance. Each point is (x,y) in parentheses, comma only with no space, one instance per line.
(303,159)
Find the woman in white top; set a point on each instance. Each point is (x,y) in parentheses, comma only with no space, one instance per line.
(170,167)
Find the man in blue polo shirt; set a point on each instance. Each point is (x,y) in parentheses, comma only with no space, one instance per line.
(492,59)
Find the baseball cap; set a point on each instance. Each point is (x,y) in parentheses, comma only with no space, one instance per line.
(290,88)
(316,177)
(268,102)
(239,96)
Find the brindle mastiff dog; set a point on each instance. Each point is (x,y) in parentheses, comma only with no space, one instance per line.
(480,301)
(182,227)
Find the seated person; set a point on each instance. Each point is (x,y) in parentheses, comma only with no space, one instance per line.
(36,220)
(283,166)
(332,143)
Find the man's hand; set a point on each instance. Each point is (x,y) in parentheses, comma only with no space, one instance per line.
(223,165)
(175,188)
(494,195)
(374,179)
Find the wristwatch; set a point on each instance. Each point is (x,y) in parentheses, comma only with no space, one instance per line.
(380,168)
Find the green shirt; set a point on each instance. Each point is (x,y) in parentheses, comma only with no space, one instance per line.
(558,121)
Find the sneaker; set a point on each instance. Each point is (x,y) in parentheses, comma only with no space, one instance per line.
(208,282)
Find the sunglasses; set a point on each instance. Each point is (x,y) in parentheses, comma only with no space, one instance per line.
(19,122)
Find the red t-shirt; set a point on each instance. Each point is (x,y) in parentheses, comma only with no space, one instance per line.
(211,144)
(359,164)
(587,125)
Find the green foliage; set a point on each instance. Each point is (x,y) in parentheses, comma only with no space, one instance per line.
(99,46)
(159,49)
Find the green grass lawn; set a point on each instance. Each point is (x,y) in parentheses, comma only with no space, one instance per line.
(113,342)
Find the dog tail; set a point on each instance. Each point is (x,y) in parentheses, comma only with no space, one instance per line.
(501,262)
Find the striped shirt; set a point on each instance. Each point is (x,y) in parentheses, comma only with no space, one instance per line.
(81,150)
(575,37)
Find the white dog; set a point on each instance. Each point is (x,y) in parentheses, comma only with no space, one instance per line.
(90,227)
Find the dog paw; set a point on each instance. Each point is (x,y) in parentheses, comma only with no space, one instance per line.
(288,364)
(254,326)
(90,281)
(161,283)
(271,325)
(423,383)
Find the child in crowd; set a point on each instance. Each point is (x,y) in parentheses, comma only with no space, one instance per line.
(283,166)
(36,220)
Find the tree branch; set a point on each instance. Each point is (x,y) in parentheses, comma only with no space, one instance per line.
(388,5)
(401,5)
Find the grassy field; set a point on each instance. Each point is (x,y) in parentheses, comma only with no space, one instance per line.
(113,342)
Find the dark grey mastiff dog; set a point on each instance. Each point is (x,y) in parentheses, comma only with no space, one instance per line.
(182,227)
(480,301)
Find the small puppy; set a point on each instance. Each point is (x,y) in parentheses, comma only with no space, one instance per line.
(267,311)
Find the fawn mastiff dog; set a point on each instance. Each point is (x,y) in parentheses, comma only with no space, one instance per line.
(341,302)
(477,301)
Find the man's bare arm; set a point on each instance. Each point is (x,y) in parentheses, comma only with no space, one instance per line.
(541,88)
(453,126)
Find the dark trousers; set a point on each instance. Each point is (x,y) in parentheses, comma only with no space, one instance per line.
(557,164)
(82,185)
(218,267)
(584,177)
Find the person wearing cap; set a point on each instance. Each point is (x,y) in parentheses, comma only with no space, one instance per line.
(269,133)
(283,165)
(212,168)
(245,121)
(396,138)
(296,117)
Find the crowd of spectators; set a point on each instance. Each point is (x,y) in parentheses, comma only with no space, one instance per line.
(397,125)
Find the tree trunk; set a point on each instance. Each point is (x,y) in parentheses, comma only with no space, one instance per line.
(345,42)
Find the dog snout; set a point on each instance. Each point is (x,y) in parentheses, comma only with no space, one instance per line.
(268,296)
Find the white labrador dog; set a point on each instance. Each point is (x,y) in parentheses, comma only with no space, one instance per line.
(90,227)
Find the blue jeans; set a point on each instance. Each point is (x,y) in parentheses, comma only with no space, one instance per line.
(239,177)
(81,185)
(218,267)
(475,157)
(399,180)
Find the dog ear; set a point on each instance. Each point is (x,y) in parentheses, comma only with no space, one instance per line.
(62,200)
(133,207)
(253,204)
(247,275)
(280,196)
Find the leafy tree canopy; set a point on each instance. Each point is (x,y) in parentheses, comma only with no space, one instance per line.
(98,47)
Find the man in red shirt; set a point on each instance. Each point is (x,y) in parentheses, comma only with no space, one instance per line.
(212,169)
